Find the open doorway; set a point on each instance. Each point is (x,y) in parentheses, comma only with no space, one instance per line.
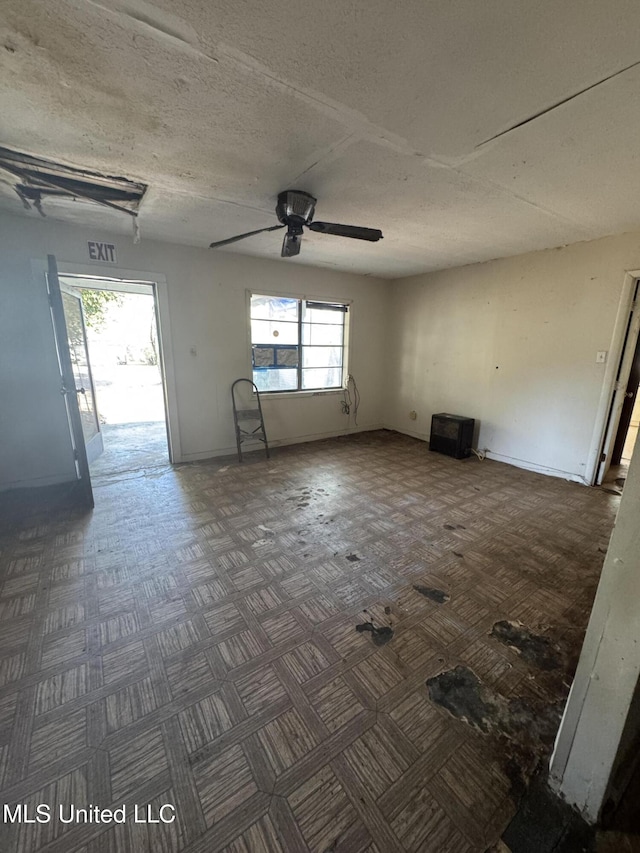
(627,431)
(624,413)
(630,415)
(632,430)
(123,402)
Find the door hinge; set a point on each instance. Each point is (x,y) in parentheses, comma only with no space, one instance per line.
(603,457)
(76,455)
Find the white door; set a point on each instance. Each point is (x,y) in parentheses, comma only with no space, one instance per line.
(79,353)
(82,417)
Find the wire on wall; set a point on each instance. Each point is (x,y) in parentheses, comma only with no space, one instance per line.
(351,400)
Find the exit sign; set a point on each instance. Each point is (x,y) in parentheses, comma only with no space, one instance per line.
(105,252)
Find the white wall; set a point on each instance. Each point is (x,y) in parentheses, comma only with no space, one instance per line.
(513,343)
(207,306)
(606,680)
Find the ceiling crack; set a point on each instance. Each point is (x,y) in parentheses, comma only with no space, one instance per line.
(557,104)
(487,182)
(328,154)
(168,27)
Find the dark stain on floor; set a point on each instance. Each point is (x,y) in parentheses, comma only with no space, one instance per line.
(523,729)
(437,595)
(534,648)
(380,636)
(459,691)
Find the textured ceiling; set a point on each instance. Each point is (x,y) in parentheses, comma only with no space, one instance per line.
(464,130)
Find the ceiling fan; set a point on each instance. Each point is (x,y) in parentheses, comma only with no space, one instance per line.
(295,210)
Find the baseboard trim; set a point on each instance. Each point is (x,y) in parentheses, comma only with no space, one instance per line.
(277,442)
(509,460)
(536,468)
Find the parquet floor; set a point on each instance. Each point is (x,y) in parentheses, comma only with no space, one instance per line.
(192,642)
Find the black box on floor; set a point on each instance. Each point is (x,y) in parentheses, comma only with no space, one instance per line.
(451,435)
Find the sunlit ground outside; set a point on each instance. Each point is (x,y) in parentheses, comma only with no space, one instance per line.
(123,349)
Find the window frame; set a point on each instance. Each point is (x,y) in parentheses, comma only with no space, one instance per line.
(346,335)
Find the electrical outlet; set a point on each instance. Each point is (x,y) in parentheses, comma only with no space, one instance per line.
(413,415)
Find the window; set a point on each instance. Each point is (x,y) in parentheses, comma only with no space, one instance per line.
(296,344)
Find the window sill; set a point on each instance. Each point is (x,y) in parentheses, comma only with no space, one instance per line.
(288,395)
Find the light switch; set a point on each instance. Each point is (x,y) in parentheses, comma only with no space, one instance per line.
(601,356)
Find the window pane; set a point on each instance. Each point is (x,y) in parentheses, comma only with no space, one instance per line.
(331,316)
(279,356)
(263,356)
(273,332)
(274,308)
(286,356)
(278,379)
(322,334)
(322,357)
(322,377)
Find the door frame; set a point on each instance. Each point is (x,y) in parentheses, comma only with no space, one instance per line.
(615,380)
(158,281)
(115,285)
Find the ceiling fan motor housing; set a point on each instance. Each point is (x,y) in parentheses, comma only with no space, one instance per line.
(295,208)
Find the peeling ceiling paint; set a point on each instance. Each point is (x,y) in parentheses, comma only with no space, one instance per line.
(465,131)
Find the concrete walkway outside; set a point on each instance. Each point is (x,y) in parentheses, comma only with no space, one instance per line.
(131,447)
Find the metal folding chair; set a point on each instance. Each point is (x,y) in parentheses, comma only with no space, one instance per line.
(247,410)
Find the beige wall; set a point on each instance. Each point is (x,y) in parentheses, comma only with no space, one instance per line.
(513,343)
(207,306)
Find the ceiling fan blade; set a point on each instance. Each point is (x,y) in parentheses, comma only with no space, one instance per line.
(242,236)
(355,231)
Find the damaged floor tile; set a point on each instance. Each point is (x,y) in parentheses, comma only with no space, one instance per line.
(461,692)
(524,729)
(534,648)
